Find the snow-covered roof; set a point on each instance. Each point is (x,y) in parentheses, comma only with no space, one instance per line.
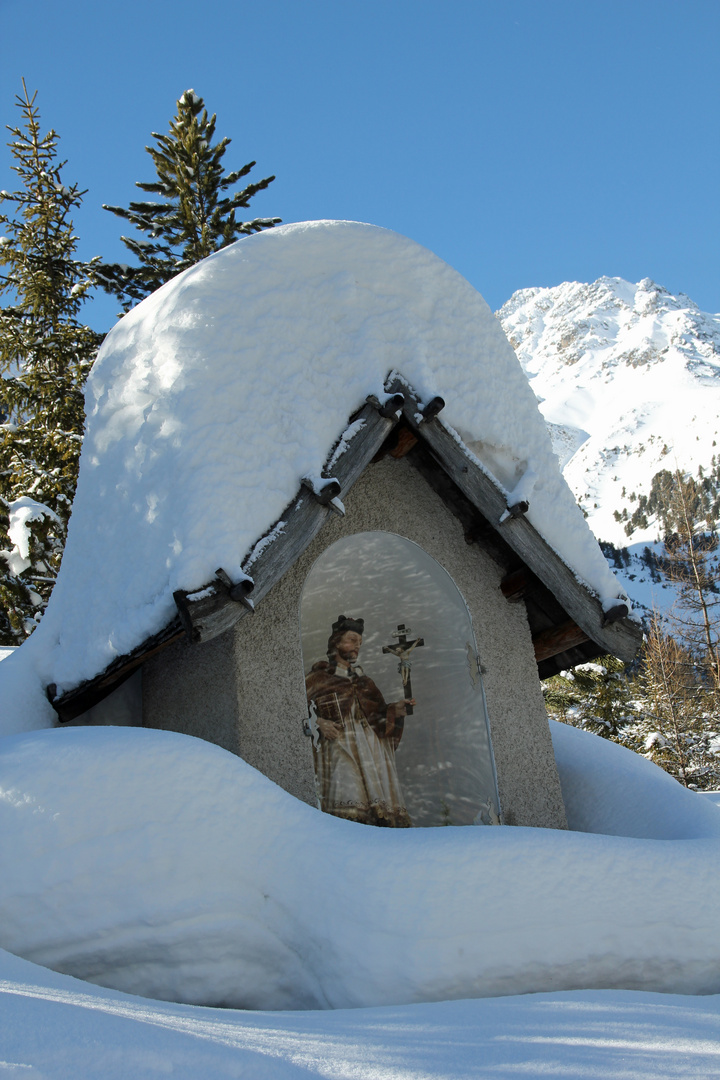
(212,399)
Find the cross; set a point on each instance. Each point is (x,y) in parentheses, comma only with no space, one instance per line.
(402,650)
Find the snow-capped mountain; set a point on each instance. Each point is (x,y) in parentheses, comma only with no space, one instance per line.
(628,379)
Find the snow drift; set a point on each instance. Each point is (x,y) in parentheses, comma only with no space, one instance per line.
(609,789)
(161,865)
(57,1028)
(213,398)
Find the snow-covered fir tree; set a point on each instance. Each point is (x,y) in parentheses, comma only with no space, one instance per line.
(45,356)
(196,214)
(596,697)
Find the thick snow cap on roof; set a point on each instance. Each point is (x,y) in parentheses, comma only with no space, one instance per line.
(212,399)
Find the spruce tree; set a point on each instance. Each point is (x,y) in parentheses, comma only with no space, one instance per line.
(45,356)
(196,216)
(595,697)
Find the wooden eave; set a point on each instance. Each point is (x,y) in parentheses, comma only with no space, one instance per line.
(567,621)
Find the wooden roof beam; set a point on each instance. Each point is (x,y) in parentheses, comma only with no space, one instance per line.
(611,631)
(558,639)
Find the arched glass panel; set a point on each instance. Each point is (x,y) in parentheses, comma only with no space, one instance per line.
(406,637)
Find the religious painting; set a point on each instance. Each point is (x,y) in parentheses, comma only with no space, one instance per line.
(394,687)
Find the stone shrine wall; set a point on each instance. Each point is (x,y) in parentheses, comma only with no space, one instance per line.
(245,690)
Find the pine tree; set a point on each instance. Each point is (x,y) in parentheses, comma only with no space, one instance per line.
(595,697)
(45,356)
(196,216)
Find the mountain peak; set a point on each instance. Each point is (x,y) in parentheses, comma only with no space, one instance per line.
(609,323)
(628,380)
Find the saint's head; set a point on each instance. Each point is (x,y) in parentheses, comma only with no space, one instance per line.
(345,641)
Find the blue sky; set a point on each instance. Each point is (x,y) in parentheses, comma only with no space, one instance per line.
(527,143)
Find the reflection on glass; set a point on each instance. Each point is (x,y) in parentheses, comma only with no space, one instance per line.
(397,708)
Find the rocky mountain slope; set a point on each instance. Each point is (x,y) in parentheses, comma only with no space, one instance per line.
(628,379)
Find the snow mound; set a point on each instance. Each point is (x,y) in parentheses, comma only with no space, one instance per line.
(212,399)
(609,789)
(158,864)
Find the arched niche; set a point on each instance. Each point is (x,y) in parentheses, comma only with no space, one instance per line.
(434,767)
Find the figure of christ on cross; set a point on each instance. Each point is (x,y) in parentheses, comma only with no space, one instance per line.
(358,734)
(403,650)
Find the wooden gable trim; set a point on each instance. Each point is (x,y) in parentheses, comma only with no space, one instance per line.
(212,610)
(77,701)
(612,630)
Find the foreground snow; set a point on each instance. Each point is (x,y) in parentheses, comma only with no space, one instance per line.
(56,1028)
(154,862)
(212,399)
(161,865)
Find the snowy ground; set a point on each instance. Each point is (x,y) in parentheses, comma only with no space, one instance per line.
(57,1028)
(110,869)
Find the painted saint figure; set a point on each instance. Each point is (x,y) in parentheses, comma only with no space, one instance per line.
(358,735)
